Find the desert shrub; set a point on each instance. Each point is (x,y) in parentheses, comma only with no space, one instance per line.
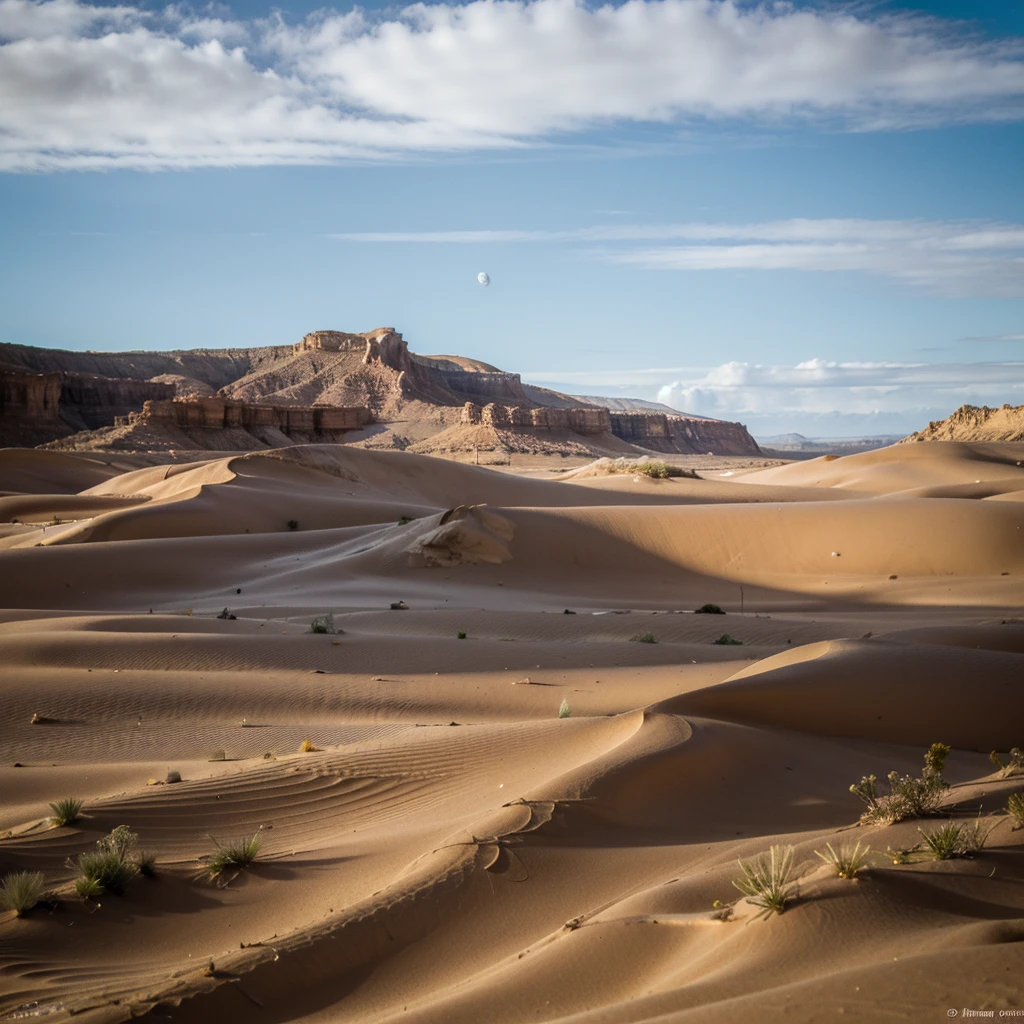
(955,839)
(907,797)
(172,777)
(66,811)
(643,638)
(728,641)
(709,609)
(306,747)
(238,853)
(657,469)
(112,865)
(293,524)
(20,891)
(1015,809)
(1013,764)
(146,863)
(323,624)
(462,634)
(848,860)
(403,520)
(902,854)
(88,888)
(768,881)
(564,711)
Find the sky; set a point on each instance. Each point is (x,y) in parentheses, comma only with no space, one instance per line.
(806,217)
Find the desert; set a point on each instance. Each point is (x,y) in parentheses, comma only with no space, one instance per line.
(406,738)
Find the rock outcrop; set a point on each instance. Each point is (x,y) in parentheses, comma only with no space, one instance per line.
(975,423)
(219,414)
(30,408)
(578,421)
(684,435)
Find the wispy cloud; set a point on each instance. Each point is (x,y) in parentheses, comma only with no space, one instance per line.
(957,257)
(89,86)
(996,337)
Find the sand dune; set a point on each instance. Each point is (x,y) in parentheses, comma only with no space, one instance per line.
(454,851)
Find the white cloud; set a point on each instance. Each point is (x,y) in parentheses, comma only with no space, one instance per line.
(997,337)
(955,257)
(93,86)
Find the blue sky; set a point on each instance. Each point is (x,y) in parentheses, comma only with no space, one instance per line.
(806,217)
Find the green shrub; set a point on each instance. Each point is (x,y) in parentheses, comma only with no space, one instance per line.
(88,888)
(20,891)
(239,853)
(146,863)
(907,797)
(643,638)
(403,520)
(462,635)
(848,860)
(768,881)
(728,641)
(709,609)
(564,710)
(113,864)
(323,624)
(1015,809)
(66,811)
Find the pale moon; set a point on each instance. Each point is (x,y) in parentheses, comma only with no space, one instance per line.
(483,278)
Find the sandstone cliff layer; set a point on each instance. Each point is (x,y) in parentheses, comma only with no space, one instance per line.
(975,423)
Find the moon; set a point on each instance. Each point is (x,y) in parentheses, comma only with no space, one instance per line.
(484,278)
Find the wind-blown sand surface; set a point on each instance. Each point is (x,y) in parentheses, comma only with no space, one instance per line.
(455,851)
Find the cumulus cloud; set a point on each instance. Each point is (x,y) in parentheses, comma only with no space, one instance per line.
(92,86)
(958,257)
(816,397)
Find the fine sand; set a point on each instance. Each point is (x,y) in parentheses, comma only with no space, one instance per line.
(454,851)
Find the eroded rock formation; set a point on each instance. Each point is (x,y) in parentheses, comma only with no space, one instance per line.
(975,423)
(219,414)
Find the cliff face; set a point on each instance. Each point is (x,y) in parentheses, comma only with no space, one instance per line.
(219,414)
(975,423)
(579,421)
(36,408)
(682,434)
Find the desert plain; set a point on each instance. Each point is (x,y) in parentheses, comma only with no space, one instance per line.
(534,769)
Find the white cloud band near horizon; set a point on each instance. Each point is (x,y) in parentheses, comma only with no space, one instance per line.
(953,257)
(895,396)
(88,86)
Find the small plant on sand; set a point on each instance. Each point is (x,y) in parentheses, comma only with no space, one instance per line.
(20,891)
(1014,762)
(323,624)
(728,641)
(767,882)
(66,811)
(462,634)
(709,609)
(1015,809)
(113,864)
(403,520)
(643,638)
(848,860)
(239,853)
(293,524)
(907,797)
(564,711)
(306,747)
(88,888)
(955,839)
(146,863)
(902,854)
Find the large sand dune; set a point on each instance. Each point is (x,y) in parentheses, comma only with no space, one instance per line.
(454,851)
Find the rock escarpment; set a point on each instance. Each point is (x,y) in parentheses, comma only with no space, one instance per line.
(975,423)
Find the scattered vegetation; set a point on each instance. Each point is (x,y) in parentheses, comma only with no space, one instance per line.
(66,811)
(293,524)
(564,711)
(239,853)
(643,638)
(1013,764)
(114,862)
(728,641)
(88,888)
(403,520)
(306,747)
(20,891)
(767,882)
(848,860)
(1015,809)
(462,634)
(708,609)
(907,797)
(956,839)
(657,469)
(323,624)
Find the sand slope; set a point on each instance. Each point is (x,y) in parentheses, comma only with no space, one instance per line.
(455,851)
